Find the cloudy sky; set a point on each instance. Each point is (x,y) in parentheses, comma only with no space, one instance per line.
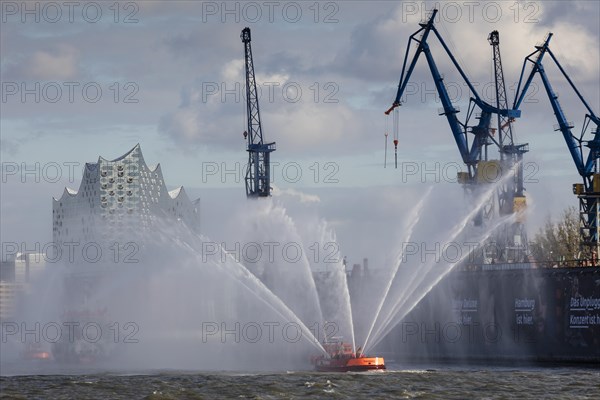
(95,78)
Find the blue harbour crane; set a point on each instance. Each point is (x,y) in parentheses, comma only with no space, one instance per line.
(258,180)
(588,192)
(474,154)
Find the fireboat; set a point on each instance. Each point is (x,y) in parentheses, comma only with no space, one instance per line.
(341,358)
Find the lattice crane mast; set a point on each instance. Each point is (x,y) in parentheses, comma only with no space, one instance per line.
(511,198)
(258,180)
(588,192)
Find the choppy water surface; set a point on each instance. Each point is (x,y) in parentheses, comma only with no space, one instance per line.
(440,383)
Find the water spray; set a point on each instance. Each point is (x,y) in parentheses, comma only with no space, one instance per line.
(386,323)
(386,329)
(415,215)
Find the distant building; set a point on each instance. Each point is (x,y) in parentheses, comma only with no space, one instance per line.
(16,275)
(9,293)
(28,266)
(117,198)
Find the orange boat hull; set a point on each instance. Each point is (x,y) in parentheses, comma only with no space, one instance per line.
(349,364)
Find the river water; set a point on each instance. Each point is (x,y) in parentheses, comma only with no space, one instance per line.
(431,382)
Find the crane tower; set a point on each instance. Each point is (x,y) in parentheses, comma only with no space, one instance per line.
(511,199)
(587,166)
(258,179)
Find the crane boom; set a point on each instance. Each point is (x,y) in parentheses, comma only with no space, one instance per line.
(258,180)
(585,169)
(470,154)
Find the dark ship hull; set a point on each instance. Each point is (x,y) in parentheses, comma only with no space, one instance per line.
(507,312)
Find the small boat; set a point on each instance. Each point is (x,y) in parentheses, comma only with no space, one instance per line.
(341,358)
(34,351)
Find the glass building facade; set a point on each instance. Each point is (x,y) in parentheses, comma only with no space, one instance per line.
(117,198)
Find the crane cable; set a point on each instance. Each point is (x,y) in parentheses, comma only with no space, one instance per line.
(245,123)
(386,140)
(395,124)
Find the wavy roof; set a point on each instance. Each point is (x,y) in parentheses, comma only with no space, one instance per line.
(93,167)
